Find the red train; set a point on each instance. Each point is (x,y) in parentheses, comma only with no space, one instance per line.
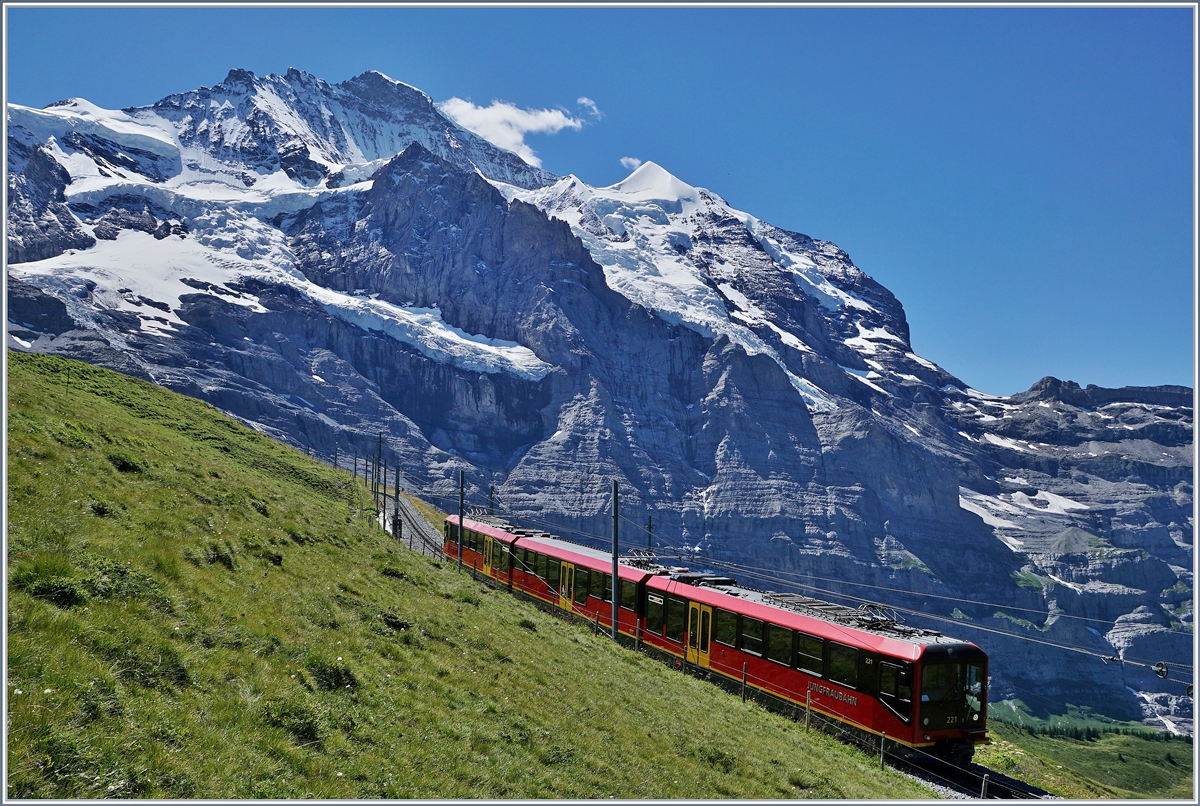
(868,674)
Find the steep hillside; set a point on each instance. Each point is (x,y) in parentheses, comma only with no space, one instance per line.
(197,611)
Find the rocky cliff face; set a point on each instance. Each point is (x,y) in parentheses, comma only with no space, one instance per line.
(329,262)
(39,224)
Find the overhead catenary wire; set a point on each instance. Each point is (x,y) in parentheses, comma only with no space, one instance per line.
(779,577)
(957,599)
(686,554)
(1107,658)
(766,576)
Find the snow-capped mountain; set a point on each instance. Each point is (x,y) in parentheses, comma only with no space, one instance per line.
(326,261)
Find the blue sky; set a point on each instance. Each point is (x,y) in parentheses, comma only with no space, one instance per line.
(1021,179)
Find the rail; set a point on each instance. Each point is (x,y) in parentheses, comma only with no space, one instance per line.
(415,532)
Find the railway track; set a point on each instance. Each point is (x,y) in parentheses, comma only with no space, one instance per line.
(416,532)
(968,782)
(945,778)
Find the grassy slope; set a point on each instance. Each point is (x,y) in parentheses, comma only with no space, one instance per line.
(1114,766)
(194,610)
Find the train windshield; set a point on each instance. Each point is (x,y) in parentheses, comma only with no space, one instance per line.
(953,694)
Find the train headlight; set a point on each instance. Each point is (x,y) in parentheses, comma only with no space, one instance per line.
(974,717)
(925,721)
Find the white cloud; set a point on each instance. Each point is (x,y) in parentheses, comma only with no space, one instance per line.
(592,109)
(632,163)
(505,125)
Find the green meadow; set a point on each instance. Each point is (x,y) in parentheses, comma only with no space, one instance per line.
(195,611)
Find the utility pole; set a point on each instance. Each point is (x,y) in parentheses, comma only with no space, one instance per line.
(379,452)
(396,507)
(383,488)
(491,499)
(461,483)
(335,464)
(650,532)
(616,581)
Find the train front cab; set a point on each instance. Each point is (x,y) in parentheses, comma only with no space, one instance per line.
(952,699)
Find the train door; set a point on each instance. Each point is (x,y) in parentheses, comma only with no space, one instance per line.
(489,546)
(566,586)
(699,632)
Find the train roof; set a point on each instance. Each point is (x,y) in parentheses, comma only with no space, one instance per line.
(796,611)
(871,626)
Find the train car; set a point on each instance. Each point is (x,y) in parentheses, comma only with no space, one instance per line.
(856,668)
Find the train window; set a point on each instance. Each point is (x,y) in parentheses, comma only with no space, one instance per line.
(809,652)
(779,644)
(654,614)
(628,594)
(725,627)
(843,664)
(895,688)
(904,684)
(608,587)
(552,575)
(581,585)
(676,619)
(506,563)
(752,635)
(976,684)
(542,565)
(895,682)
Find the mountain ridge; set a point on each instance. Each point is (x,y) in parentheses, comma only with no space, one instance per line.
(749,387)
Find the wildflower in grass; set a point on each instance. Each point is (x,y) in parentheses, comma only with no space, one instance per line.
(18,691)
(47,691)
